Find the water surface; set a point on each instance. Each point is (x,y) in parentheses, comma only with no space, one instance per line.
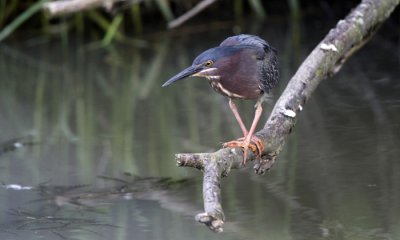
(84,125)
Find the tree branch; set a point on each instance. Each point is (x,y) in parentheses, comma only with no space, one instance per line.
(64,7)
(325,60)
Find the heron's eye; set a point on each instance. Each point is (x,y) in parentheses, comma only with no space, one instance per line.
(209,63)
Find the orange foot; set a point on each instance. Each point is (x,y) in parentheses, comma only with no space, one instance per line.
(255,144)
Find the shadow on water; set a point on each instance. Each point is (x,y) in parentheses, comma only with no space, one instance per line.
(71,114)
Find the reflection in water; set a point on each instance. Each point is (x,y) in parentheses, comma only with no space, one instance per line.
(66,210)
(81,113)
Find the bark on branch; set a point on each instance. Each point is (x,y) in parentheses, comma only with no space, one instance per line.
(325,60)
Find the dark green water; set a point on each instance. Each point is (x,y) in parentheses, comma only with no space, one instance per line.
(82,112)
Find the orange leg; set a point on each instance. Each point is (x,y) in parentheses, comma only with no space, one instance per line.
(233,107)
(248,141)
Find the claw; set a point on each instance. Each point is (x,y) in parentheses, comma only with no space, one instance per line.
(255,144)
(259,144)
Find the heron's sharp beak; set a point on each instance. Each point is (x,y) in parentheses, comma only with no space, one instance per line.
(190,71)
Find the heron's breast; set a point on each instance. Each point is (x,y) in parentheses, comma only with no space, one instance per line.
(234,89)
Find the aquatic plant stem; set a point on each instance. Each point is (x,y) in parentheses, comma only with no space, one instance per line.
(21,19)
(191,13)
(325,60)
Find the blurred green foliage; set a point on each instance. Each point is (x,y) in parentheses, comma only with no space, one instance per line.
(126,17)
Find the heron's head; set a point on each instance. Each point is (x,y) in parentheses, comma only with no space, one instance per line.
(212,63)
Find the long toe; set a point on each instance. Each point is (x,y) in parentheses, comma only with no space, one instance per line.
(256,147)
(234,143)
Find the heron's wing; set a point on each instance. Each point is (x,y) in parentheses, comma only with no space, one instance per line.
(267,55)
